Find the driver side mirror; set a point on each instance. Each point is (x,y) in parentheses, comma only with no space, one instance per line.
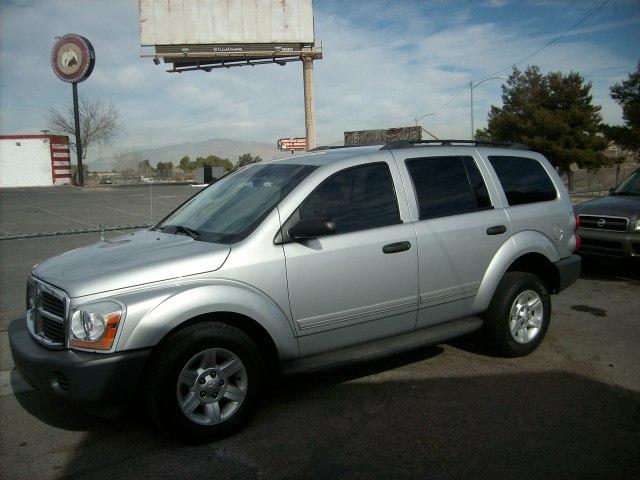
(312,228)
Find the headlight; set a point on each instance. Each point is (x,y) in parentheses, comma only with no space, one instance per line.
(636,226)
(95,325)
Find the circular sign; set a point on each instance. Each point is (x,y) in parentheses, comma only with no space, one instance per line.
(73,58)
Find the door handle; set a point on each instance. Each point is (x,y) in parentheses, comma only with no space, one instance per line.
(396,247)
(496,230)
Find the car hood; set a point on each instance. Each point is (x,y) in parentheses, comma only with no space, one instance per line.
(134,259)
(617,206)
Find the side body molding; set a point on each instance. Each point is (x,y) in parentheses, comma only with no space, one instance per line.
(520,244)
(225,296)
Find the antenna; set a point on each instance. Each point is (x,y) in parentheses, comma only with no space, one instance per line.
(150,179)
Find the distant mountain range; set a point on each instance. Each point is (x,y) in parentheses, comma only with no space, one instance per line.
(221,147)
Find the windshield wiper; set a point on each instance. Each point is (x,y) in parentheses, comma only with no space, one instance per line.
(181,229)
(623,192)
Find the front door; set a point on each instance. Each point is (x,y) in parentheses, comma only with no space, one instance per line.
(359,284)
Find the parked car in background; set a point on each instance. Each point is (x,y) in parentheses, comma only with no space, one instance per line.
(610,226)
(300,263)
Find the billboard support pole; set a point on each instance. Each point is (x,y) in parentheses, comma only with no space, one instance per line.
(309,113)
(76,117)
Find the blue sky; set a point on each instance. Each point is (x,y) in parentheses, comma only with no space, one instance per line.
(385,62)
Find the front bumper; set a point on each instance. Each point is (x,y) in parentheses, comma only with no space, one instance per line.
(568,271)
(608,243)
(76,376)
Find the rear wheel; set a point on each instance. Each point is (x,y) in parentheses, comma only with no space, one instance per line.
(519,314)
(205,382)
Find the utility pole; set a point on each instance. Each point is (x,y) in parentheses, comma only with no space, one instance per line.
(309,110)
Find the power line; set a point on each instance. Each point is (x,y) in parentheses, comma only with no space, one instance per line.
(454,97)
(551,42)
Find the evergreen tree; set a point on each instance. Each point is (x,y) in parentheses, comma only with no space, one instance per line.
(627,95)
(553,114)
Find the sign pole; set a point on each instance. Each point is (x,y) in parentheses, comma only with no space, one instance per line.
(73,59)
(76,116)
(309,114)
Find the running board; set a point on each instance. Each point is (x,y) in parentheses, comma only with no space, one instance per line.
(384,347)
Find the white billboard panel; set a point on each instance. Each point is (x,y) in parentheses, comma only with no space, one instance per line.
(224,22)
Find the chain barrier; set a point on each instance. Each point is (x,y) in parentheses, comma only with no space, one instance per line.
(584,195)
(100,229)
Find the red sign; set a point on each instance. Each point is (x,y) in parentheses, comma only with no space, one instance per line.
(298,143)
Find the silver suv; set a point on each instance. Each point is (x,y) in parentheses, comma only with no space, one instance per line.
(298,264)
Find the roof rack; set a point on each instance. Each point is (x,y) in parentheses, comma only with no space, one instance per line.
(327,147)
(450,143)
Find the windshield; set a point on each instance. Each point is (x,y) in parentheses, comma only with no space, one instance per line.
(630,185)
(235,205)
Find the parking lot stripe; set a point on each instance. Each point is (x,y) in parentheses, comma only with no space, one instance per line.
(64,216)
(123,211)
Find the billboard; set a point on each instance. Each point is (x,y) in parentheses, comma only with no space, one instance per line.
(184,31)
(381,136)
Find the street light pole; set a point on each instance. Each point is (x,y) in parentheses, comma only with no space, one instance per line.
(417,119)
(473,137)
(471,87)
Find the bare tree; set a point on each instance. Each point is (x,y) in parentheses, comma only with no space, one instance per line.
(100,123)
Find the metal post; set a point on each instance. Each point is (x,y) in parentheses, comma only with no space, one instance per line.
(473,137)
(76,115)
(309,114)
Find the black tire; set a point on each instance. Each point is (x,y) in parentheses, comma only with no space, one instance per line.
(498,316)
(168,361)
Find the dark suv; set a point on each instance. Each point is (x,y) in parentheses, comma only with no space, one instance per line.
(610,226)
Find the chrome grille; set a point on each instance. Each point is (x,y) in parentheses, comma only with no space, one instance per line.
(52,330)
(46,313)
(604,222)
(52,304)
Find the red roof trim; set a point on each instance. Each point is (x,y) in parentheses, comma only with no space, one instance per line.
(58,138)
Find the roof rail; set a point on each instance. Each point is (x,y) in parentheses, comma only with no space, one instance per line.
(450,143)
(327,147)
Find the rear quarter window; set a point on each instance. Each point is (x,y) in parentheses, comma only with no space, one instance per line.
(447,186)
(524,180)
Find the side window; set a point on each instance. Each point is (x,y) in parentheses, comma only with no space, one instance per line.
(447,186)
(523,180)
(355,199)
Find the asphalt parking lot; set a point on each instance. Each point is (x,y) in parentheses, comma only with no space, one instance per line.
(570,410)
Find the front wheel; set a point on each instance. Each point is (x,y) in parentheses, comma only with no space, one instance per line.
(205,382)
(519,314)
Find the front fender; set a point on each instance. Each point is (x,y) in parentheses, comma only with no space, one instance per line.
(520,244)
(198,300)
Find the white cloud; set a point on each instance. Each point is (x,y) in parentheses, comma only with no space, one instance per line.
(384,64)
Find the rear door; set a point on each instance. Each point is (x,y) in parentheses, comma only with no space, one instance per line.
(361,283)
(458,226)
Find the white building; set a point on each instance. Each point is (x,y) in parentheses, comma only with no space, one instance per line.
(34,160)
